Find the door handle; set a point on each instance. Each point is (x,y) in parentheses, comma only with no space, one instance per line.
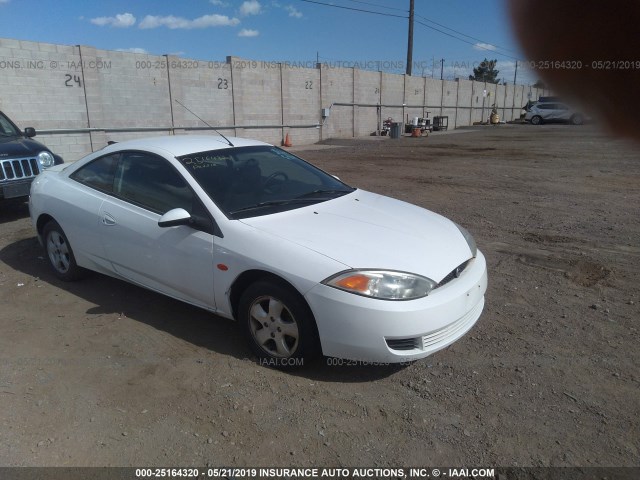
(107,219)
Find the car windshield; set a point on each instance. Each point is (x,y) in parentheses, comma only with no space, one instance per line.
(6,128)
(252,181)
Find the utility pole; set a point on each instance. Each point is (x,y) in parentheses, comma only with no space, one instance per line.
(410,41)
(441,68)
(515,75)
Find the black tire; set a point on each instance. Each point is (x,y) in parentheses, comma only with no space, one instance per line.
(577,119)
(537,120)
(59,253)
(278,325)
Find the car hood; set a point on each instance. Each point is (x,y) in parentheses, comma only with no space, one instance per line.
(16,147)
(366,230)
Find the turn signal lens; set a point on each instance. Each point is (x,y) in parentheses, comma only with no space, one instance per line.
(382,284)
(359,283)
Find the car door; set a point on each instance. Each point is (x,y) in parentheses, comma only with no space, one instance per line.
(83,198)
(562,112)
(546,111)
(176,261)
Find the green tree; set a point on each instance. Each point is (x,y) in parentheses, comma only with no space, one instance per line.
(486,72)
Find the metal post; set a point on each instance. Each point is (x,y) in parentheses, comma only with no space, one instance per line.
(173,123)
(86,100)
(410,40)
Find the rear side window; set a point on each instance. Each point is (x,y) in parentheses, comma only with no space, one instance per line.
(98,174)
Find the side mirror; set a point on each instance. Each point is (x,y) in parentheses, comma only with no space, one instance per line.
(29,132)
(174,218)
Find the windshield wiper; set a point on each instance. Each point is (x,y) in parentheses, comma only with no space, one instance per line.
(306,197)
(323,192)
(270,203)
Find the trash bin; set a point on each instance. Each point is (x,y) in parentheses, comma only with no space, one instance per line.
(396,129)
(440,123)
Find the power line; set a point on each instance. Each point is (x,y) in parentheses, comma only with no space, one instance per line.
(466,41)
(463,34)
(477,46)
(354,9)
(378,5)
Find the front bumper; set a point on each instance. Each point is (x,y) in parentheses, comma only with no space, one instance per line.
(15,188)
(365,329)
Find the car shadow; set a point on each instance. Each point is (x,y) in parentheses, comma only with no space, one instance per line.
(179,319)
(110,295)
(12,210)
(327,369)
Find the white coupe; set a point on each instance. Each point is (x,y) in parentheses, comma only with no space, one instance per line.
(305,263)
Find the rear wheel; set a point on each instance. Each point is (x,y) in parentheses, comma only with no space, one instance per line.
(577,119)
(278,325)
(60,254)
(537,120)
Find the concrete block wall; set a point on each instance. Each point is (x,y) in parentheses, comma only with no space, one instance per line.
(260,103)
(509,101)
(535,93)
(465,94)
(301,103)
(338,87)
(478,101)
(367,92)
(42,82)
(520,98)
(206,90)
(450,102)
(413,98)
(393,94)
(42,85)
(433,89)
(499,100)
(80,97)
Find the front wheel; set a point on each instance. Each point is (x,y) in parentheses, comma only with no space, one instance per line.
(537,120)
(59,253)
(278,325)
(577,119)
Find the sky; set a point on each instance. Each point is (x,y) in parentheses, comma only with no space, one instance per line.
(337,32)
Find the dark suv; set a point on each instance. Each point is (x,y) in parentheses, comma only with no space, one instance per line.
(21,159)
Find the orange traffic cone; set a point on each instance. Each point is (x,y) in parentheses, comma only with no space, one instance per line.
(287,141)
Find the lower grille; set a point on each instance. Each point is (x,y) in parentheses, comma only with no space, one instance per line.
(453,330)
(18,168)
(439,337)
(404,343)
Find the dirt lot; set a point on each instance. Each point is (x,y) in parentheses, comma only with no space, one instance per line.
(105,373)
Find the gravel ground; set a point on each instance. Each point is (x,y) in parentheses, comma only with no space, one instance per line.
(101,373)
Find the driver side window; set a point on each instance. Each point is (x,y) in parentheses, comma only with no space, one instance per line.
(151,183)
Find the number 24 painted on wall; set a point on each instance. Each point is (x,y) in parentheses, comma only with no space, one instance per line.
(70,80)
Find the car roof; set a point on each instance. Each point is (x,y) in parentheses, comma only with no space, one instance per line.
(178,145)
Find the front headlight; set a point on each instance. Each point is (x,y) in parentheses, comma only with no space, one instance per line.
(45,159)
(382,284)
(470,241)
